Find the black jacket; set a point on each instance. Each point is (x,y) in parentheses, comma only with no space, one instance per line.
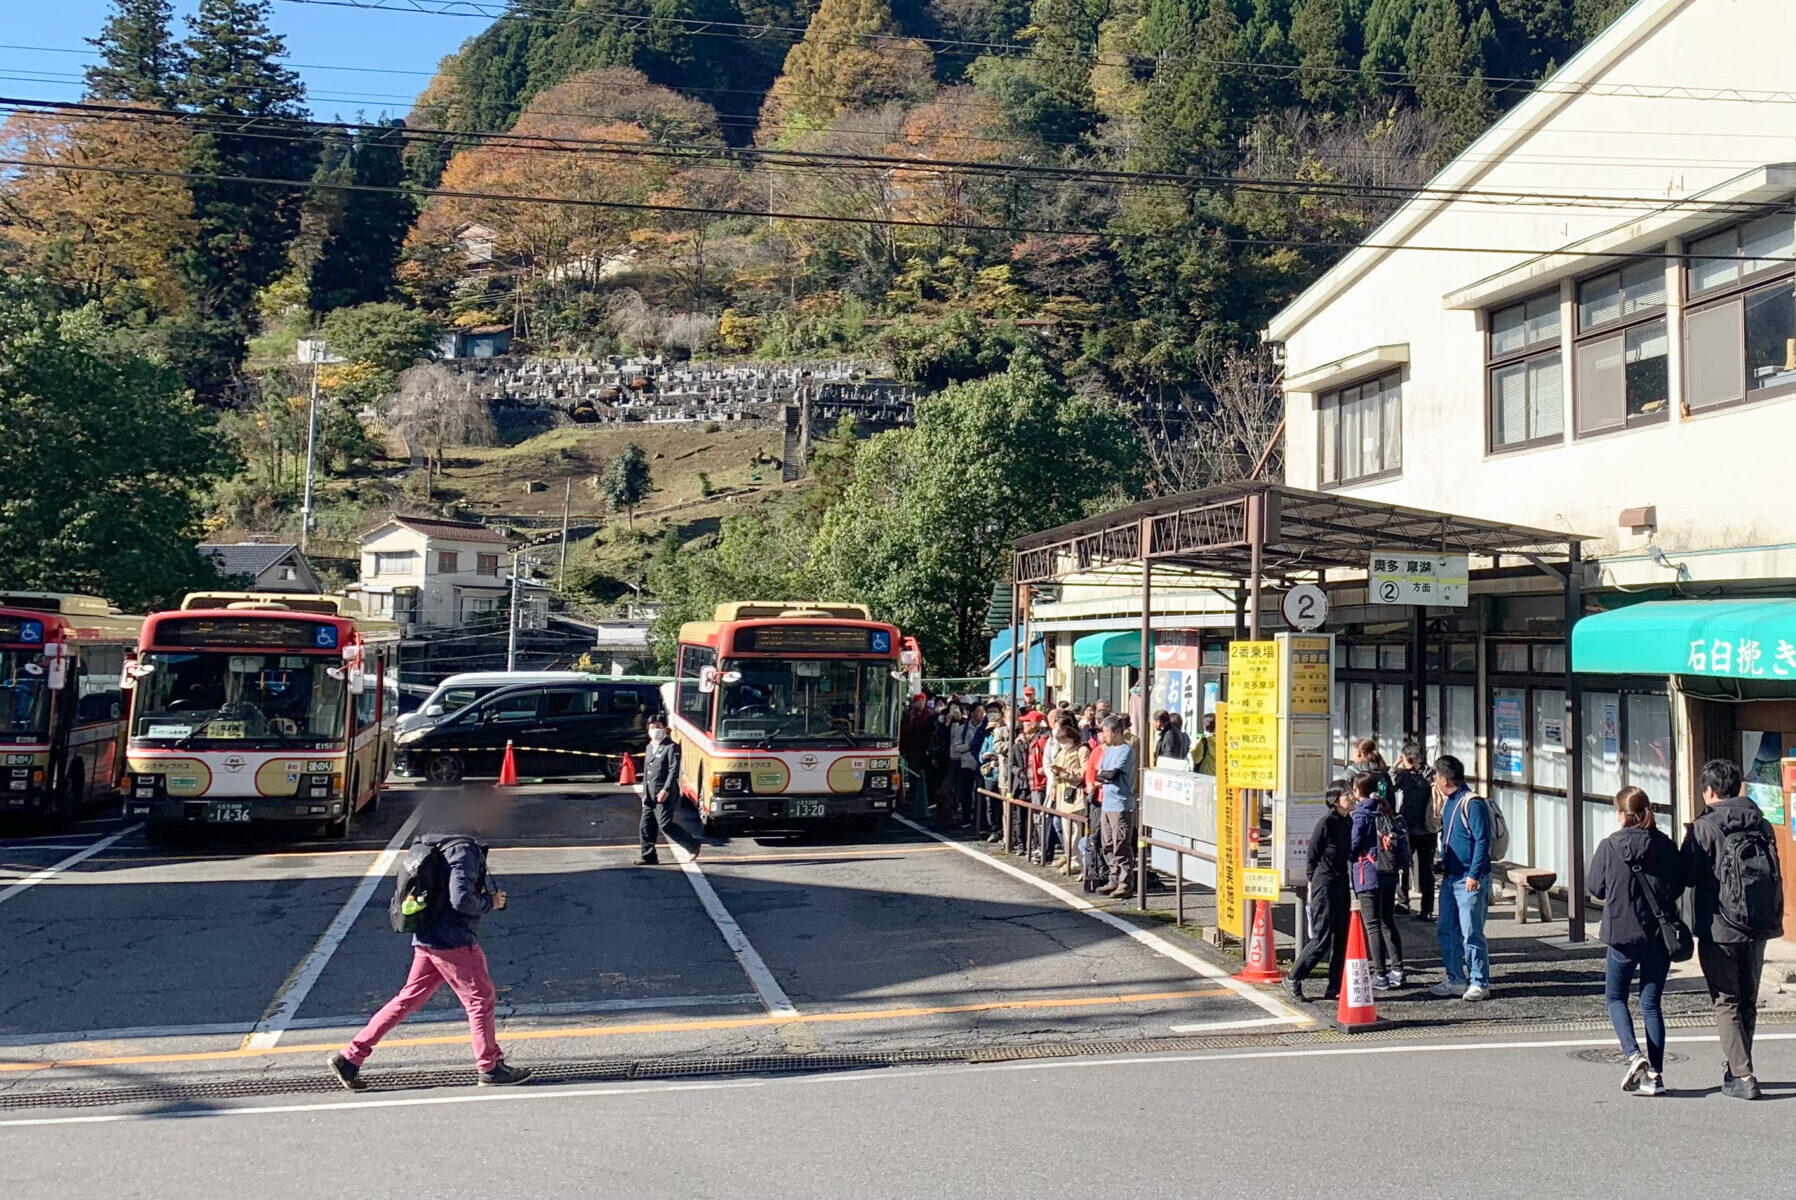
(1329,843)
(1702,864)
(470,894)
(1628,922)
(661,769)
(1413,795)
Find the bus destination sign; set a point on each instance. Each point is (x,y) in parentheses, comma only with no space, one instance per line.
(275,632)
(812,639)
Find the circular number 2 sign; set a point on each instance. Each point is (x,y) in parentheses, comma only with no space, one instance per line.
(1305,606)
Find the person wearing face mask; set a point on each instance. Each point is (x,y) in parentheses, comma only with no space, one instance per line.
(661,794)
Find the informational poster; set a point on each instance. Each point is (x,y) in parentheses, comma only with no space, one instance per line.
(1253,714)
(1312,674)
(1178,681)
(1790,792)
(1253,679)
(1228,834)
(1609,726)
(1507,738)
(1761,756)
(1405,577)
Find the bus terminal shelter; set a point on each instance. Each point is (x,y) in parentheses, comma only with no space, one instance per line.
(1255,540)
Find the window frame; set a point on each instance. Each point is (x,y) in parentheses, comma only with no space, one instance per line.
(448,562)
(1618,329)
(1721,296)
(1495,361)
(486,564)
(407,557)
(1331,399)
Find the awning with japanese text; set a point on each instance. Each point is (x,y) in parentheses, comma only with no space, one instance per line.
(1734,639)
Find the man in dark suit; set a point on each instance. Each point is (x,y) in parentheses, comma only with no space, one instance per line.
(661,794)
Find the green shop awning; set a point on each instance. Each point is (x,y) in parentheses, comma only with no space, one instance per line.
(1737,639)
(1117,648)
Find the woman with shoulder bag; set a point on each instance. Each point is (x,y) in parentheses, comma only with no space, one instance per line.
(1635,873)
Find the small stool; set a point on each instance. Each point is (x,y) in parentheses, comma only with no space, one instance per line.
(1526,880)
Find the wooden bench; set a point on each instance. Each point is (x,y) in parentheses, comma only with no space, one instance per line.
(1530,880)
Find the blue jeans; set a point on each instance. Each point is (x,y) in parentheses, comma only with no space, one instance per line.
(1618,975)
(1460,927)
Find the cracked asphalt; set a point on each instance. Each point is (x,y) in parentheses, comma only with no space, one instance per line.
(148,964)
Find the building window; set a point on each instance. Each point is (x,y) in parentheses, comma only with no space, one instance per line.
(1360,431)
(1623,374)
(475,606)
(1526,384)
(486,564)
(448,562)
(287,575)
(1740,332)
(393,562)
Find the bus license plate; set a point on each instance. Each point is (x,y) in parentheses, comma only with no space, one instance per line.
(804,808)
(228,813)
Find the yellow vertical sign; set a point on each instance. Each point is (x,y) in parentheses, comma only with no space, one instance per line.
(1254,701)
(1228,835)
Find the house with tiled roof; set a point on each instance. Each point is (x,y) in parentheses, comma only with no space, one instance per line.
(428,573)
(263,566)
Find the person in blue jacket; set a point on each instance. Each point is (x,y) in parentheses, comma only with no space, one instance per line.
(1465,884)
(1378,836)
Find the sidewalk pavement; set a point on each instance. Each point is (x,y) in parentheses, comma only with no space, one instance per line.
(1536,975)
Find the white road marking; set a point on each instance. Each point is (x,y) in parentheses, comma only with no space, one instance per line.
(773,997)
(1217,1026)
(293,993)
(32,880)
(1153,941)
(505,1012)
(466,1097)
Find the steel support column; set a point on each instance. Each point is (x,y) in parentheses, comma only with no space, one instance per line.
(1574,748)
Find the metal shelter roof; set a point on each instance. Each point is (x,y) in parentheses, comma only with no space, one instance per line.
(1303,534)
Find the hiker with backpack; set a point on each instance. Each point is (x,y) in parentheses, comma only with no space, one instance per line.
(441,892)
(1636,874)
(1414,806)
(1379,849)
(1730,866)
(1327,877)
(1467,821)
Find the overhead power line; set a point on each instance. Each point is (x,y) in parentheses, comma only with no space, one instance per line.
(831,218)
(700,154)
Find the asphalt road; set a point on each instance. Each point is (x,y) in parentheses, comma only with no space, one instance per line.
(1519,1117)
(247,959)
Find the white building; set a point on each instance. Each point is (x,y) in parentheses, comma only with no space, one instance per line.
(1587,322)
(433,574)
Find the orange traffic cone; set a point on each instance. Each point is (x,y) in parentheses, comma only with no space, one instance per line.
(626,774)
(508,770)
(1356,1011)
(1262,951)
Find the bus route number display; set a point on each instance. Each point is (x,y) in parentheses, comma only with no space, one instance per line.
(247,631)
(812,639)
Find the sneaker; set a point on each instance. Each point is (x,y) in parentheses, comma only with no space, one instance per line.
(347,1073)
(992,839)
(1740,1087)
(1294,985)
(1380,983)
(1446,989)
(1651,1084)
(1397,978)
(647,860)
(504,1075)
(1476,993)
(1637,1069)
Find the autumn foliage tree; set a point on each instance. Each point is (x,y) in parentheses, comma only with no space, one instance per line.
(852,56)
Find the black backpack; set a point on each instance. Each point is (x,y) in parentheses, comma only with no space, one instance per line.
(1392,851)
(1750,896)
(421,886)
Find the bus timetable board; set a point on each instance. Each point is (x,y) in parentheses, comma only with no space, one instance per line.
(811,639)
(236,632)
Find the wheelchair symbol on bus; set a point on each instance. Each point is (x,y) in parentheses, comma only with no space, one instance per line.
(882,642)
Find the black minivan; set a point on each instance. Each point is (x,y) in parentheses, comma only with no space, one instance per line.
(543,721)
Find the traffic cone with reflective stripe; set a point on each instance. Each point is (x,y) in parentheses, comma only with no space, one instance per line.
(1356,1010)
(1262,951)
(626,774)
(508,770)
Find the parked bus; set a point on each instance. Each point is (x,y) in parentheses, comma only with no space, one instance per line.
(787,714)
(62,714)
(260,707)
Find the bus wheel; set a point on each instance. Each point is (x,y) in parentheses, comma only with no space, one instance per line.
(444,769)
(70,796)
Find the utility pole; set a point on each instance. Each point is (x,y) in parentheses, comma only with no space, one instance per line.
(567,503)
(305,511)
(511,641)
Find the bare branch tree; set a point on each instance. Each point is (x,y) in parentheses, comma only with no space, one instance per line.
(1231,428)
(434,408)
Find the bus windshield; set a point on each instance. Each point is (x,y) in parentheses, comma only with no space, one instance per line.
(789,700)
(214,697)
(24,698)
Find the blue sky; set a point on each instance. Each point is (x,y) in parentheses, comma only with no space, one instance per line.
(392,53)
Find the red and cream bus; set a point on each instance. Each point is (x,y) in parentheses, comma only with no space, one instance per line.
(62,714)
(259,707)
(787,714)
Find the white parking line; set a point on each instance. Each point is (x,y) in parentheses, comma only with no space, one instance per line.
(298,986)
(32,880)
(1153,941)
(773,997)
(1217,1026)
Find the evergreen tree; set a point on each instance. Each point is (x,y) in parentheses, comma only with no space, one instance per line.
(1320,34)
(233,73)
(139,60)
(362,248)
(626,480)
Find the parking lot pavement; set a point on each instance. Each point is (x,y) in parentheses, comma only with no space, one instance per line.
(210,959)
